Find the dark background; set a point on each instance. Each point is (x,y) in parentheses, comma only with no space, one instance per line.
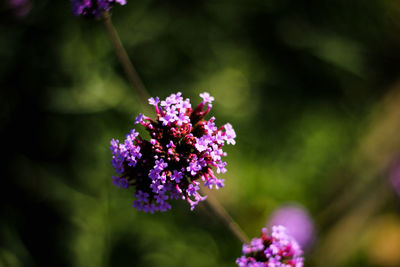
(311,88)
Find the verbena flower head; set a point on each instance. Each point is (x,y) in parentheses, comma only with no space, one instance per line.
(93,8)
(275,250)
(184,149)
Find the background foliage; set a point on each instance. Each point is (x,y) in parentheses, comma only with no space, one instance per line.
(311,88)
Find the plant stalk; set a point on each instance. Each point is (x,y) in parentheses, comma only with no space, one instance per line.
(126,63)
(218,209)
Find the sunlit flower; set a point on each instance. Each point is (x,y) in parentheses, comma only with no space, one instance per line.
(182,151)
(93,8)
(275,250)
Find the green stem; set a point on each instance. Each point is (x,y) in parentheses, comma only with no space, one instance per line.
(218,209)
(126,63)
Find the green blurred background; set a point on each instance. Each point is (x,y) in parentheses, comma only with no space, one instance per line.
(311,88)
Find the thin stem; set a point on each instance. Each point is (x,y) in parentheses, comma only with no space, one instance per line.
(218,209)
(123,58)
(140,89)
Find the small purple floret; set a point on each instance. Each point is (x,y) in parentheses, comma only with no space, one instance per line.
(207,98)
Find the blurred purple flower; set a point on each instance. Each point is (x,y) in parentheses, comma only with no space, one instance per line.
(394,176)
(20,8)
(297,222)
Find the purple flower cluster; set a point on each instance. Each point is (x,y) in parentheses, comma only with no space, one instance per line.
(93,8)
(183,150)
(277,250)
